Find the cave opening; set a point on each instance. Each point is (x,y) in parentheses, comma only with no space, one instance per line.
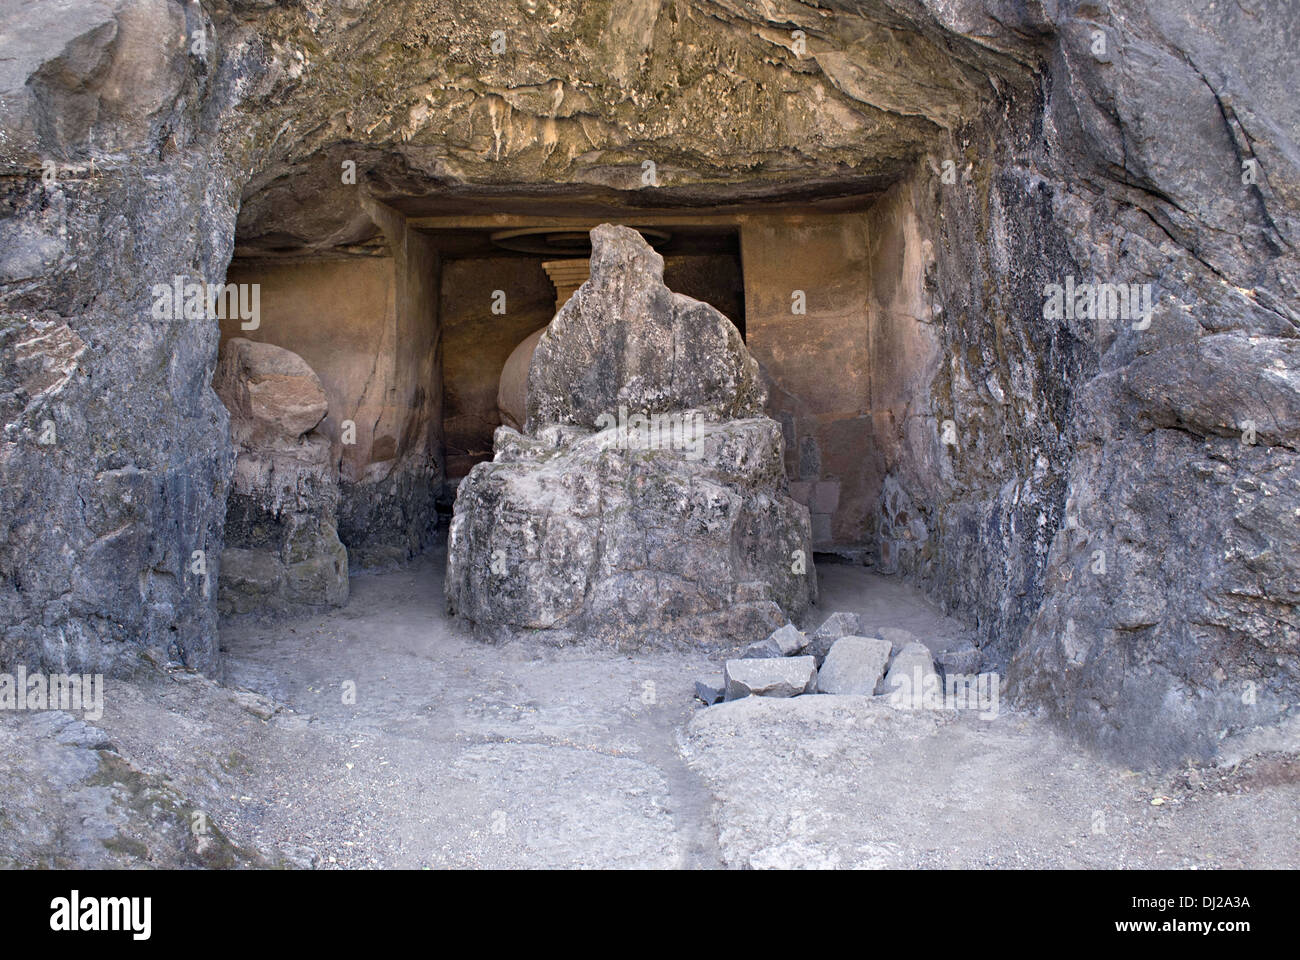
(419,323)
(920,217)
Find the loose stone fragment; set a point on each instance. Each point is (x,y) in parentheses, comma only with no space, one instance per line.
(837,625)
(785,642)
(854,665)
(770,677)
(710,690)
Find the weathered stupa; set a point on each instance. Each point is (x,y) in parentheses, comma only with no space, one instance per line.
(646,501)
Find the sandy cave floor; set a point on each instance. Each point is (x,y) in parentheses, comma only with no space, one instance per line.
(461,754)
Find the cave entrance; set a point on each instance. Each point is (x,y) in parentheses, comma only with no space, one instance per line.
(410,323)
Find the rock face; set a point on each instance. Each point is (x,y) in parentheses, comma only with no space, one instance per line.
(1005,148)
(282,544)
(1077,484)
(670,526)
(962,660)
(99,529)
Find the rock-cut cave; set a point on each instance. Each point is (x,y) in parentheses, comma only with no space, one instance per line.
(322,324)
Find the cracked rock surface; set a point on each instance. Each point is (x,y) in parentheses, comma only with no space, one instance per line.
(646,503)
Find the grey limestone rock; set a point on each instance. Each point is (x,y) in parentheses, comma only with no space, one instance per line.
(854,665)
(604,529)
(770,677)
(785,642)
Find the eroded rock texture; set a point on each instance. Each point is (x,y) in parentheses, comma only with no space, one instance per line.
(645,505)
(98,530)
(282,547)
(625,340)
(1079,437)
(1002,146)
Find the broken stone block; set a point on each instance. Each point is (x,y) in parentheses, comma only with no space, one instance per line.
(272,394)
(250,580)
(770,677)
(630,548)
(838,624)
(785,642)
(321,577)
(710,690)
(854,665)
(665,526)
(760,649)
(908,670)
(284,490)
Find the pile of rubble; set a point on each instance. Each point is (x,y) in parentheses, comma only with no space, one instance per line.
(842,656)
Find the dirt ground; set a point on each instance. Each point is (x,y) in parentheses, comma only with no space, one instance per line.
(382,735)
